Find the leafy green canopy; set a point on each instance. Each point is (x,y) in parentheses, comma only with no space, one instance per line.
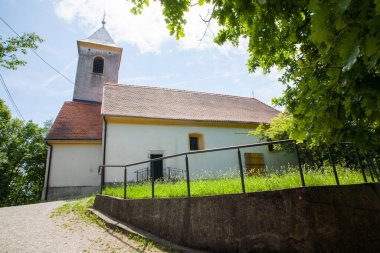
(22,159)
(10,46)
(329,51)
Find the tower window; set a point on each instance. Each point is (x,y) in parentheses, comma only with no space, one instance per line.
(98,65)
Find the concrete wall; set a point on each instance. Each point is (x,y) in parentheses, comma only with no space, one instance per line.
(128,143)
(74,170)
(313,219)
(89,85)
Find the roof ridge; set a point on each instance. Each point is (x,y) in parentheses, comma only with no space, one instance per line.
(189,91)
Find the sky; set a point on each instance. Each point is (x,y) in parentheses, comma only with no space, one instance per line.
(151,57)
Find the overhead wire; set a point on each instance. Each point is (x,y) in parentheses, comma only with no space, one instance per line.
(34,51)
(11,98)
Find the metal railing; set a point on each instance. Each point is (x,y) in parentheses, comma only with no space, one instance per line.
(102,168)
(142,175)
(174,173)
(169,173)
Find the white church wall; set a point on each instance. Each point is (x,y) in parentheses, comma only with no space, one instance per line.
(129,143)
(75,165)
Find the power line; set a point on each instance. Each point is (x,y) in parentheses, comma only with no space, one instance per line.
(10,97)
(34,51)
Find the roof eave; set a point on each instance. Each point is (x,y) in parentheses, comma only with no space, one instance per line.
(193,120)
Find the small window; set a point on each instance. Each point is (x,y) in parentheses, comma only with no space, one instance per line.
(196,141)
(194,145)
(98,65)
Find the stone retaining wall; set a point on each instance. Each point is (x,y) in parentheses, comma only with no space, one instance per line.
(311,219)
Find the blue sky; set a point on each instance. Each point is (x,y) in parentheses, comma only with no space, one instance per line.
(150,56)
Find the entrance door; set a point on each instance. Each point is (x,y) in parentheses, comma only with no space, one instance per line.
(254,163)
(156,168)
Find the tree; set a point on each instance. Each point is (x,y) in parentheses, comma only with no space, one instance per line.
(22,159)
(10,46)
(314,154)
(329,51)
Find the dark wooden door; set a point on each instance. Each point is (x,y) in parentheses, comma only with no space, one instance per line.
(157,167)
(254,163)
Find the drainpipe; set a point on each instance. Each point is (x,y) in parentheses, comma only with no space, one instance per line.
(104,140)
(48,168)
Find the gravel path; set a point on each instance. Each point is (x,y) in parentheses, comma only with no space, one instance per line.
(29,228)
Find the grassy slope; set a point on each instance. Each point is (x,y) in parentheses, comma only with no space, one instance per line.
(78,211)
(228,185)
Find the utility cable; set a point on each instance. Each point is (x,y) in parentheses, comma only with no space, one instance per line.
(10,98)
(34,51)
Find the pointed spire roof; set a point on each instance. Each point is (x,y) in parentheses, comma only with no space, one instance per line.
(101,36)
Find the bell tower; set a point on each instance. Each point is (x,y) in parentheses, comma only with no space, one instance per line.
(98,63)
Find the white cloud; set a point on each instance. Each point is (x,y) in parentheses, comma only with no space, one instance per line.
(147,31)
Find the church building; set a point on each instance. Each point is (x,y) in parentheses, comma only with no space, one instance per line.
(108,123)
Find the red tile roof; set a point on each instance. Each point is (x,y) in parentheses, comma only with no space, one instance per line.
(77,121)
(162,103)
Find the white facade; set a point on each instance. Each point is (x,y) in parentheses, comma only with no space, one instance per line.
(75,165)
(130,143)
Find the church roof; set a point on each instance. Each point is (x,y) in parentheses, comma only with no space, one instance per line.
(162,103)
(77,121)
(101,36)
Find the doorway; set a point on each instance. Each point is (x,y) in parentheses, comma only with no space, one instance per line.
(156,168)
(254,162)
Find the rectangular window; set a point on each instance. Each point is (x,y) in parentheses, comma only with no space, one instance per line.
(194,144)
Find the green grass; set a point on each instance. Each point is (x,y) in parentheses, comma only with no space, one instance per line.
(78,211)
(229,184)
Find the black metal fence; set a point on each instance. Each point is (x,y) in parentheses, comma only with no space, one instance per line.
(370,163)
(169,173)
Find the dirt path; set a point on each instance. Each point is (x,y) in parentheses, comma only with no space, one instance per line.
(30,228)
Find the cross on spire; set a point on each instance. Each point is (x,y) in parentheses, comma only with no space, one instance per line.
(104,17)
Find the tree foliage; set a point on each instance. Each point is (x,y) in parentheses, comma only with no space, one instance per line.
(329,51)
(313,154)
(10,46)
(22,159)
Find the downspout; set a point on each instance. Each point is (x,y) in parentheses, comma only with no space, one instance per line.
(104,141)
(48,172)
(104,154)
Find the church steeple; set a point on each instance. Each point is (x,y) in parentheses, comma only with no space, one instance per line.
(98,63)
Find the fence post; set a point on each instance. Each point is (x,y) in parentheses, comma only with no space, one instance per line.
(125,182)
(360,164)
(187,176)
(102,179)
(241,172)
(152,175)
(333,165)
(299,163)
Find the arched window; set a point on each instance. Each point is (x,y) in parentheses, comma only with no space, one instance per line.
(98,65)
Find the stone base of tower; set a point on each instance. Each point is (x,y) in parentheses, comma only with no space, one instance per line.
(70,192)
